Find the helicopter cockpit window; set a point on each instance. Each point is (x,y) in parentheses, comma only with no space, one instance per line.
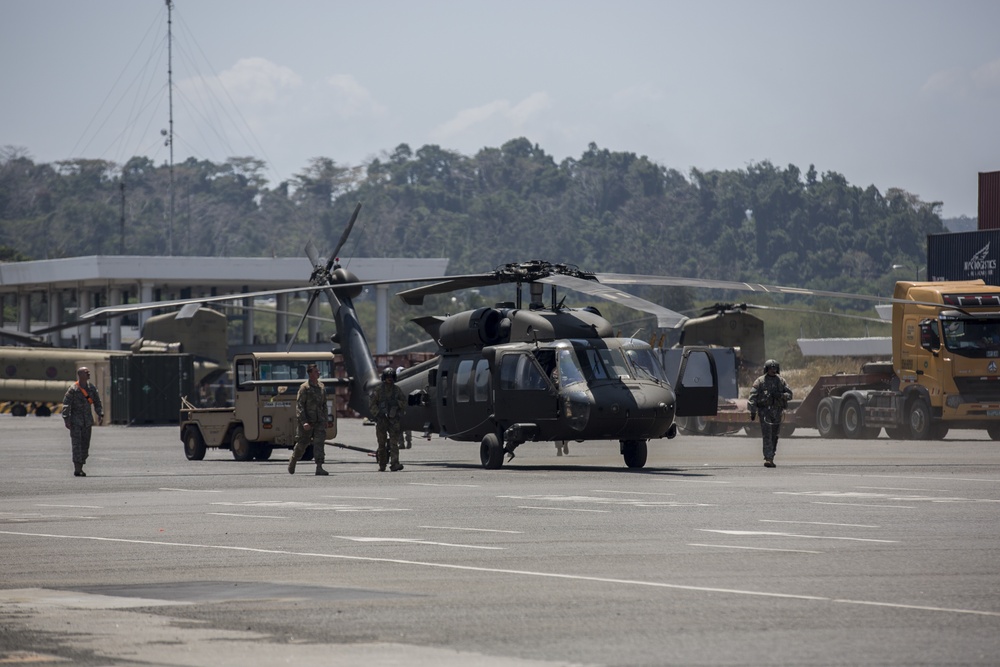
(482,381)
(570,372)
(520,372)
(463,381)
(645,363)
(593,367)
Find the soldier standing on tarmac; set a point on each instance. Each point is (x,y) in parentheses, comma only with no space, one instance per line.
(311,417)
(387,405)
(769,396)
(78,417)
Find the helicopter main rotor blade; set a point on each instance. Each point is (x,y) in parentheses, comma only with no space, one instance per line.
(305,314)
(665,318)
(415,296)
(671,281)
(343,238)
(313,254)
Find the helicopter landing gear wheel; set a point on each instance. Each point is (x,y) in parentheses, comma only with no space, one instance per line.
(491,452)
(634,453)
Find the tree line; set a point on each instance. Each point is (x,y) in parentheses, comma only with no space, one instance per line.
(606,211)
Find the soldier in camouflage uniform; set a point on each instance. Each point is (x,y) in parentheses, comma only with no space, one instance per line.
(311,416)
(769,396)
(79,418)
(387,405)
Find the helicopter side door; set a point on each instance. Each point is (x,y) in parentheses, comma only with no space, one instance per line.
(524,393)
(464,396)
(697,387)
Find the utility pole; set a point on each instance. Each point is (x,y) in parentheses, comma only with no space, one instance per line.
(170,137)
(121,245)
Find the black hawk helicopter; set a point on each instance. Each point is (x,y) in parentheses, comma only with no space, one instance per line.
(515,372)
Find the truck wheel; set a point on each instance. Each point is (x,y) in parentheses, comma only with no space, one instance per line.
(194,444)
(786,430)
(919,420)
(634,453)
(242,450)
(852,420)
(753,430)
(307,455)
(825,421)
(994,431)
(490,452)
(263,452)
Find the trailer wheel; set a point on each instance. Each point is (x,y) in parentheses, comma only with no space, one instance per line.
(194,444)
(19,410)
(994,431)
(786,430)
(919,420)
(242,450)
(634,453)
(825,419)
(262,451)
(852,420)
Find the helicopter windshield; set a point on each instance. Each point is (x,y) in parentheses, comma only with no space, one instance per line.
(972,337)
(645,363)
(603,364)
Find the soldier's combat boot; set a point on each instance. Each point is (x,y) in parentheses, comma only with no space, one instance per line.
(78,470)
(319,469)
(396,466)
(291,465)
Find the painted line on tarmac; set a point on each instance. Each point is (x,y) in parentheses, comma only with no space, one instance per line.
(560,509)
(936,479)
(895,507)
(494,570)
(821,523)
(359,497)
(164,488)
(86,507)
(372,540)
(634,493)
(247,516)
(470,486)
(768,533)
(893,488)
(478,530)
(727,546)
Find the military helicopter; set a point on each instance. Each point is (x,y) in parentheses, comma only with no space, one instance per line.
(516,372)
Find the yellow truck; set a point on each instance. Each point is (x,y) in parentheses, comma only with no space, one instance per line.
(944,373)
(262,415)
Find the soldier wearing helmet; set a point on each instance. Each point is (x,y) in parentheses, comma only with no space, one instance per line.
(769,397)
(387,405)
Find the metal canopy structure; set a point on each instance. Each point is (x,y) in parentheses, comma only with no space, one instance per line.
(111,280)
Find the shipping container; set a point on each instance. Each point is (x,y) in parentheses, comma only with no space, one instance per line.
(989,200)
(146,389)
(964,256)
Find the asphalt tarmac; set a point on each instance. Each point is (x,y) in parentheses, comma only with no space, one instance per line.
(848,553)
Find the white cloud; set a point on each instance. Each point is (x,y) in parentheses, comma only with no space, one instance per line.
(984,79)
(509,118)
(255,81)
(351,99)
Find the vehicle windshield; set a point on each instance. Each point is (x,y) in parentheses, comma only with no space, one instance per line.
(293,371)
(604,363)
(645,363)
(972,338)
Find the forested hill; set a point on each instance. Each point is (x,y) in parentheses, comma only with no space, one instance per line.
(605,211)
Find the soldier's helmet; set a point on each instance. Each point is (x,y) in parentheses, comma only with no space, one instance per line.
(388,373)
(772,363)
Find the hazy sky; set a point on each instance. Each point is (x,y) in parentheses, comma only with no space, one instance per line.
(891,93)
